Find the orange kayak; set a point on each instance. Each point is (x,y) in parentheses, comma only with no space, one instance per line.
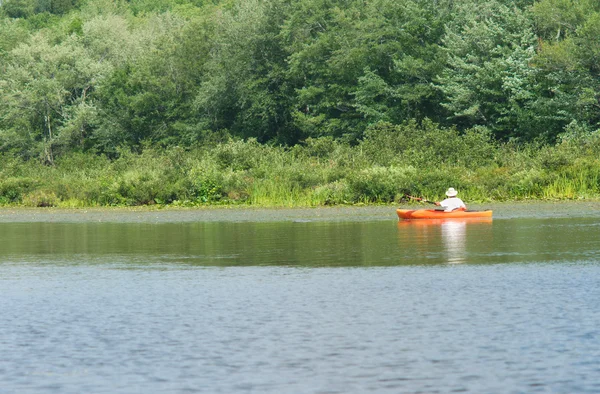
(439,214)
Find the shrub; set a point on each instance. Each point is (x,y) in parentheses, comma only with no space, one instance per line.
(333,193)
(433,183)
(41,198)
(427,145)
(318,147)
(239,155)
(378,184)
(529,183)
(392,160)
(13,189)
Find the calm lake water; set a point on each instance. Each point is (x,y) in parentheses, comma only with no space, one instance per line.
(300,301)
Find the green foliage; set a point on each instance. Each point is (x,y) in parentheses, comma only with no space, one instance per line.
(355,63)
(147,98)
(57,7)
(12,33)
(318,100)
(41,199)
(242,88)
(18,8)
(428,146)
(559,19)
(568,57)
(380,184)
(488,80)
(13,189)
(33,9)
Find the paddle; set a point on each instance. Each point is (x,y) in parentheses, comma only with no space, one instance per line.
(421,199)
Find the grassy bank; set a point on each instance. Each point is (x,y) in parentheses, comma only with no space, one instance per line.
(391,161)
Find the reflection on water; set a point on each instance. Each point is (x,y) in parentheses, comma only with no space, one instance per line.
(312,244)
(454,236)
(446,237)
(234,244)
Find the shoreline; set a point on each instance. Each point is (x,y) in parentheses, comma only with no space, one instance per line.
(154,214)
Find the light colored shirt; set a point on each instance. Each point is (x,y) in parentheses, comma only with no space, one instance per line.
(452,203)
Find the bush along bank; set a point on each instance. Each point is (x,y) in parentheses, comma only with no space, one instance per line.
(391,161)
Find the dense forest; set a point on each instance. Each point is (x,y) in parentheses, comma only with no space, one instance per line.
(297,102)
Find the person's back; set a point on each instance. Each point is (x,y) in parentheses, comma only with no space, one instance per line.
(452,203)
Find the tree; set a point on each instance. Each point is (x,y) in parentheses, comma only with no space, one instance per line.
(42,83)
(354,63)
(243,87)
(488,79)
(12,33)
(18,8)
(149,94)
(569,59)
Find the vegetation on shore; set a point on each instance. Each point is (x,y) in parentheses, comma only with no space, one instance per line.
(297,103)
(390,162)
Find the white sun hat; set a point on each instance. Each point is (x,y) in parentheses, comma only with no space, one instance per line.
(451,192)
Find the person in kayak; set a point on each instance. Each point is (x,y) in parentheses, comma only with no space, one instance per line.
(452,203)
